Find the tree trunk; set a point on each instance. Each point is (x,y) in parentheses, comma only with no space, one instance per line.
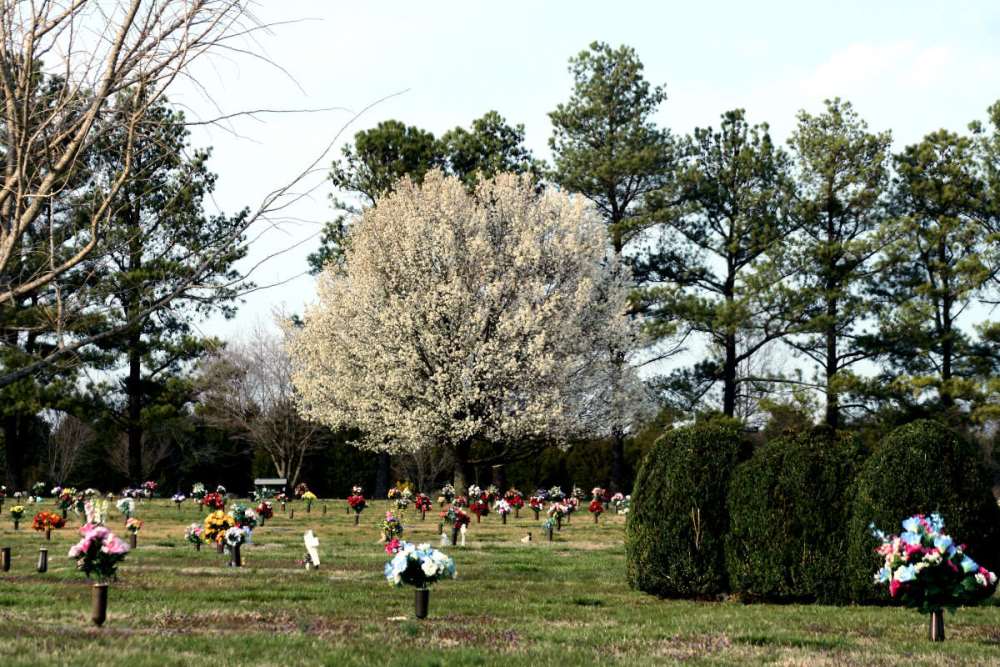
(500,477)
(382,475)
(729,377)
(832,398)
(463,470)
(133,389)
(14,453)
(618,482)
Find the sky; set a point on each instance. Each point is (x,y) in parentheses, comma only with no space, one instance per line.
(910,67)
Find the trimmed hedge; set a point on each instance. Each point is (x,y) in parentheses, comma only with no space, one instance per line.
(788,519)
(678,520)
(922,467)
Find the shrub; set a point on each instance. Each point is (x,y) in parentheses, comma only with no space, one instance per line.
(922,467)
(788,525)
(678,520)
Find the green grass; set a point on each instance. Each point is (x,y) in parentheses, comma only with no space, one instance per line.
(559,603)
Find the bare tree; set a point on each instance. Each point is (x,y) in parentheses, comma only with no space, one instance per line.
(68,437)
(63,63)
(425,467)
(156,447)
(247,388)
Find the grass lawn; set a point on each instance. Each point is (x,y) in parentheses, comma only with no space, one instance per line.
(560,603)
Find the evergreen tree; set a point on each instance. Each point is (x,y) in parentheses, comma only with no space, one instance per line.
(719,265)
(941,260)
(842,177)
(165,264)
(607,147)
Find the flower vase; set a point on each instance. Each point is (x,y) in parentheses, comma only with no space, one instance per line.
(220,547)
(283,507)
(64,513)
(423,515)
(937,625)
(16,524)
(99,604)
(291,515)
(536,513)
(421,602)
(548,531)
(558,523)
(5,559)
(479,518)
(197,546)
(357,518)
(517,513)
(133,540)
(503,519)
(309,508)
(43,560)
(597,516)
(454,536)
(235,560)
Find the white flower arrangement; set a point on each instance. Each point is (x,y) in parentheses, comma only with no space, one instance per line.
(126,506)
(419,566)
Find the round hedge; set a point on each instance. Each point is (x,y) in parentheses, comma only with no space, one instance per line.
(788,525)
(675,533)
(922,467)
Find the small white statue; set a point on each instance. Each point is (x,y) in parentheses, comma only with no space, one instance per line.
(463,534)
(445,540)
(312,549)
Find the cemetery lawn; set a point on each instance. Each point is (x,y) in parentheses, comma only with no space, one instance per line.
(560,603)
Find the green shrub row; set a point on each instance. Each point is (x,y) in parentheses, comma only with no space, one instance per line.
(789,521)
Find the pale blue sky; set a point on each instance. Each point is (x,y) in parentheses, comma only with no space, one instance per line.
(907,66)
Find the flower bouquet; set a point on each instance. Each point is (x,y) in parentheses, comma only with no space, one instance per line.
(558,511)
(133,526)
(404,498)
(572,504)
(925,570)
(265,510)
(37,489)
(126,506)
(47,521)
(448,493)
(515,499)
(245,518)
(98,553)
(177,499)
(503,509)
(596,508)
(282,498)
(16,512)
(221,490)
(491,494)
(418,566)
(460,501)
(149,488)
(537,504)
(475,493)
(423,504)
(457,519)
(479,507)
(213,501)
(215,527)
(65,499)
(96,511)
(356,490)
(391,527)
(234,538)
(309,497)
(194,535)
(555,494)
(616,502)
(300,489)
(577,493)
(356,503)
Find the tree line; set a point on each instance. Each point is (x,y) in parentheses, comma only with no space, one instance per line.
(835,277)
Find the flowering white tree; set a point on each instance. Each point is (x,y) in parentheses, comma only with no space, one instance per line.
(479,322)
